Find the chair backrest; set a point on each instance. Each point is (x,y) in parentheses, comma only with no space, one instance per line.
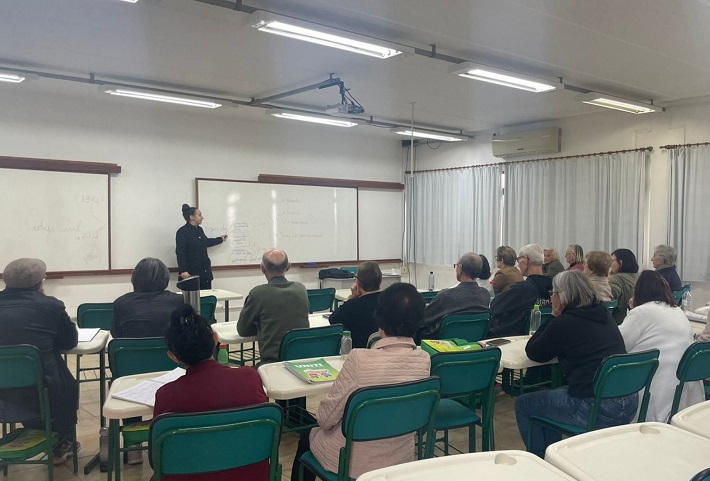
(380,412)
(611,305)
(352,270)
(468,372)
(320,299)
(678,295)
(21,367)
(205,442)
(693,366)
(622,375)
(95,314)
(703,475)
(311,342)
(472,327)
(428,296)
(208,306)
(127,356)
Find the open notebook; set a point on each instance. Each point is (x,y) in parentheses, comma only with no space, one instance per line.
(144,393)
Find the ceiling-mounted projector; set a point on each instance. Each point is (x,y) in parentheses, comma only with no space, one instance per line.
(344,109)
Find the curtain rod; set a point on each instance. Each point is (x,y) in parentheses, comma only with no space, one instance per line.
(546,159)
(683,145)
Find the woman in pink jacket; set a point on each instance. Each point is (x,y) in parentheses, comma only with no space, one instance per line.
(393,359)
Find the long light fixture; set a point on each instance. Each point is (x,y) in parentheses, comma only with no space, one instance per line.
(427,134)
(616,103)
(313,118)
(148,95)
(321,35)
(12,77)
(505,78)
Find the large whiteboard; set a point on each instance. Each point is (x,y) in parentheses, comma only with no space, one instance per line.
(59,217)
(312,224)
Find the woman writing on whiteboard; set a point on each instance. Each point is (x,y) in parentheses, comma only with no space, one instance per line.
(191,247)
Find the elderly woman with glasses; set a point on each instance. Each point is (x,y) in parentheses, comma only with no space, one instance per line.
(580,334)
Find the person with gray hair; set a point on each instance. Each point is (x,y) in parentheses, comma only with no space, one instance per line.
(466,297)
(272,309)
(510,310)
(28,316)
(552,265)
(507,273)
(664,259)
(145,312)
(580,334)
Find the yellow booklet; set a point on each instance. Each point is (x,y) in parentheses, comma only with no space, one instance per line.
(317,370)
(28,439)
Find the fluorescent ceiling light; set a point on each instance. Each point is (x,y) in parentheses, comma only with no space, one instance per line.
(11,77)
(314,118)
(321,35)
(616,103)
(130,1)
(503,77)
(427,134)
(147,95)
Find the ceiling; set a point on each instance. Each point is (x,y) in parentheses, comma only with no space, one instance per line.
(639,49)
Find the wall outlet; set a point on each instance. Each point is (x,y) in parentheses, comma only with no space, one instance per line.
(404,270)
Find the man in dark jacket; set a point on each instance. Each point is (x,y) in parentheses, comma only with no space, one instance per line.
(28,316)
(510,310)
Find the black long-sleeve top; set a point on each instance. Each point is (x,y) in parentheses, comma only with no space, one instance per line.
(191,245)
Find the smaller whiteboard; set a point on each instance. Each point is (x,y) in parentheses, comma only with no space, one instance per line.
(312,224)
(59,217)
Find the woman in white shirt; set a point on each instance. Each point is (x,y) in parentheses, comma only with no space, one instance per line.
(655,321)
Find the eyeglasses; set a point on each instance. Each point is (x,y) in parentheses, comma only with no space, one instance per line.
(521,257)
(455,265)
(554,292)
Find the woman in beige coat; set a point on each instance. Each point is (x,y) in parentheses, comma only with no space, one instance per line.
(393,359)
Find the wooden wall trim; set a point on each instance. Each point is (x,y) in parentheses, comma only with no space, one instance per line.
(54,165)
(324,182)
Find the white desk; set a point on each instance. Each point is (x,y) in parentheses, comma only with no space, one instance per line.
(281,384)
(647,451)
(342,284)
(695,419)
(227,331)
(493,465)
(222,296)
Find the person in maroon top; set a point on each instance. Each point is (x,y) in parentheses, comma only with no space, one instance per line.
(207,386)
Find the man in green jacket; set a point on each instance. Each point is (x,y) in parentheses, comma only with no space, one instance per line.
(272,309)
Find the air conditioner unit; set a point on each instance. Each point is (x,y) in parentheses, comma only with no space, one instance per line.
(532,142)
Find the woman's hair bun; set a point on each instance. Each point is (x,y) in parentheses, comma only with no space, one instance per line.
(185,207)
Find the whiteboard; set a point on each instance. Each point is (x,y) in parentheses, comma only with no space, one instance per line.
(381,219)
(59,217)
(312,224)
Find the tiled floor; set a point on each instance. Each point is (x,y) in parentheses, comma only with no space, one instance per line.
(506,437)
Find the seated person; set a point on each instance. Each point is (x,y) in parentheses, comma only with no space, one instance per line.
(28,316)
(664,259)
(580,334)
(622,279)
(271,310)
(393,359)
(207,386)
(145,312)
(575,257)
(510,310)
(596,268)
(485,275)
(357,315)
(507,273)
(552,265)
(466,297)
(656,322)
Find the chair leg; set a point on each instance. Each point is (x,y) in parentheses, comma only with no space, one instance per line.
(472,439)
(446,442)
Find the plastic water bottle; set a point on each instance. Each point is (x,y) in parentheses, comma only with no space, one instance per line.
(535,319)
(223,355)
(346,344)
(686,301)
(431,281)
(103,449)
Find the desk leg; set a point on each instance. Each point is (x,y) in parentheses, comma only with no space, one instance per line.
(226,311)
(89,466)
(114,457)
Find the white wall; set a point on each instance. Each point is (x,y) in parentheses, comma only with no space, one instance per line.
(161,150)
(603,131)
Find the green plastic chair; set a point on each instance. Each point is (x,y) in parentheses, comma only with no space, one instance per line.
(466,378)
(617,376)
(320,299)
(693,366)
(208,306)
(213,441)
(703,475)
(428,296)
(21,367)
(127,357)
(382,412)
(678,295)
(92,315)
(472,327)
(612,305)
(302,344)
